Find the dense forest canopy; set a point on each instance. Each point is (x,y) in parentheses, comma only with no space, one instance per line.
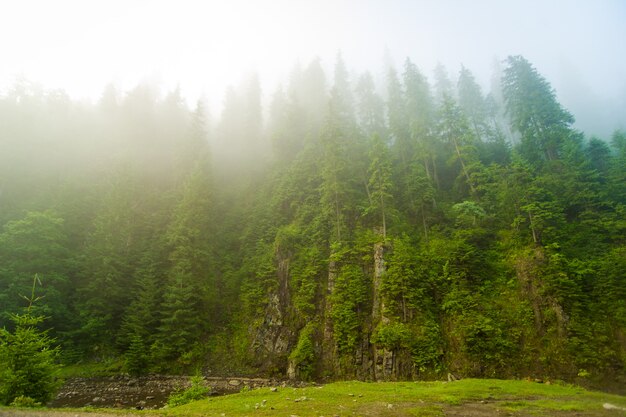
(336,233)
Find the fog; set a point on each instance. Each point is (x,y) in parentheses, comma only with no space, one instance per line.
(203,47)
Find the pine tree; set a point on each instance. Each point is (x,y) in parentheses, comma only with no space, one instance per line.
(472,102)
(534,111)
(380,181)
(27,357)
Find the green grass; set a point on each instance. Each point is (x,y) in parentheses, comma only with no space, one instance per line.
(401,399)
(410,399)
(91,369)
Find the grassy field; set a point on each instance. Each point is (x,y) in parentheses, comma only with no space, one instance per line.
(471,397)
(468,398)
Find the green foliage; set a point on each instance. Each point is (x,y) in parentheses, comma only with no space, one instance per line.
(180,323)
(24,402)
(27,359)
(197,391)
(349,307)
(462,231)
(535,113)
(392,336)
(303,355)
(136,362)
(305,271)
(468,213)
(35,244)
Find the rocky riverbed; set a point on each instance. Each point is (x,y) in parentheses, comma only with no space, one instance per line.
(148,392)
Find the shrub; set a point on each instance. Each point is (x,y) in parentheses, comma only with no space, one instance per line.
(196,391)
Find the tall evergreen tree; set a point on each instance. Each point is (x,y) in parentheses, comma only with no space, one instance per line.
(535,113)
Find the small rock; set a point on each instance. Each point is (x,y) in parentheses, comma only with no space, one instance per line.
(390,406)
(273,389)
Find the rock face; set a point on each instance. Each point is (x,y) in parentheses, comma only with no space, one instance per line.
(147,392)
(274,337)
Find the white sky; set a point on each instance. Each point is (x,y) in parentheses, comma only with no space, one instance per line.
(81,45)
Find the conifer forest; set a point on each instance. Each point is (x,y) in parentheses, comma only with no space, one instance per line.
(347,226)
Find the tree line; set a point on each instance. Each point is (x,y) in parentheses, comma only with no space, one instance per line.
(427,229)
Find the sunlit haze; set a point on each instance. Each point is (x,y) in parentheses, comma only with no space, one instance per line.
(202,47)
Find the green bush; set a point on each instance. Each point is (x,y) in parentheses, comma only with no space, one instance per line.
(196,391)
(24,402)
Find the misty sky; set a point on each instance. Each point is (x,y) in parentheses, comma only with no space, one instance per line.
(80,46)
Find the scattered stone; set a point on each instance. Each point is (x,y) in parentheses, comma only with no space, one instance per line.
(452,377)
(350,395)
(609,406)
(273,389)
(390,406)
